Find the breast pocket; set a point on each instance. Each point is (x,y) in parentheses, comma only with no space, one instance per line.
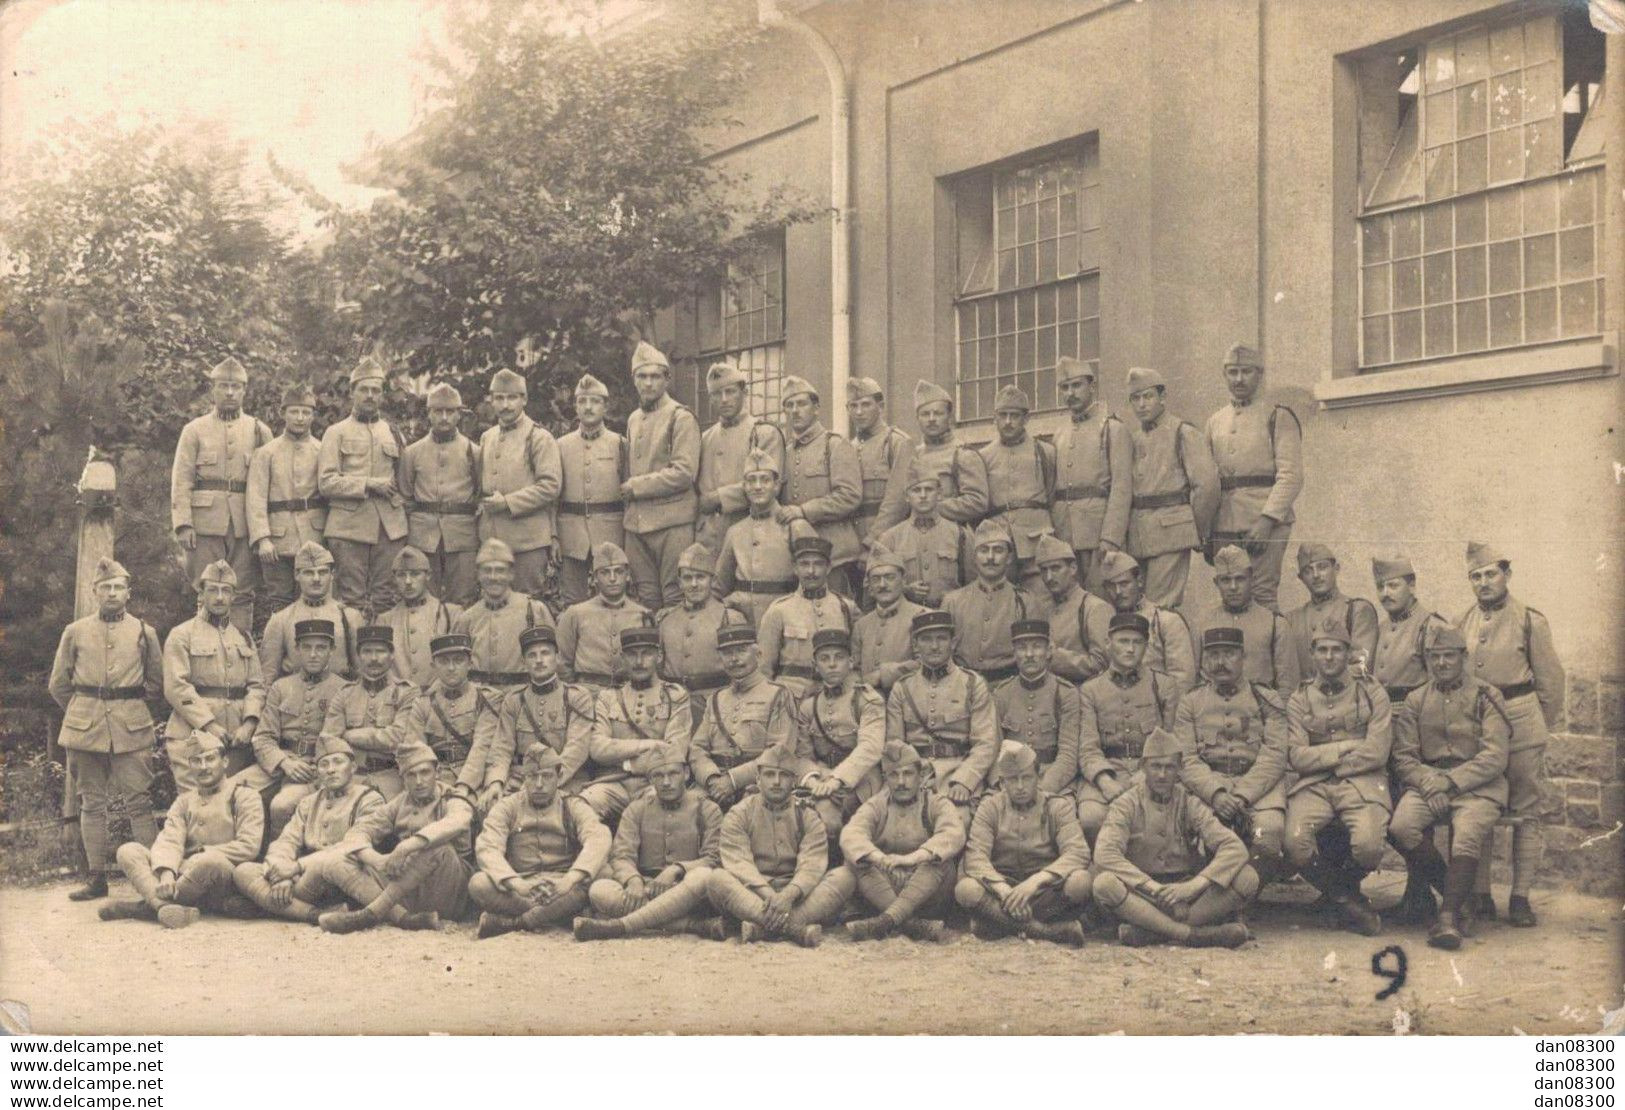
(753,721)
(1175,516)
(205,663)
(354,453)
(798,630)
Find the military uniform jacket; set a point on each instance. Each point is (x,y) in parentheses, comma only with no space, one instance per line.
(845,729)
(1117,713)
(277,645)
(590,507)
(1359,619)
(353,451)
(938,553)
(1234,739)
(1341,733)
(723,451)
(1175,488)
(558,715)
(495,630)
(284,473)
(1144,840)
(769,848)
(652,836)
(522,464)
(1021,489)
(882,452)
(740,723)
(322,821)
(1269,653)
(1077,626)
(229,819)
(689,639)
(1399,662)
(786,634)
(963,475)
(882,644)
(1010,843)
(1169,647)
(518,839)
(449,724)
(1258,451)
(590,638)
(119,657)
(1094,480)
(949,719)
(292,717)
(1458,737)
(1038,714)
(211,674)
(444,819)
(629,722)
(208,485)
(1511,648)
(415,627)
(364,713)
(823,478)
(664,449)
(440,484)
(982,619)
(883,825)
(755,568)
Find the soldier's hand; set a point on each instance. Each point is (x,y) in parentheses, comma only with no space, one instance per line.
(1019,902)
(626,490)
(668,878)
(779,905)
(397,860)
(282,892)
(493,503)
(275,874)
(296,770)
(916,592)
(1186,891)
(719,789)
(959,794)
(784,514)
(489,795)
(1258,535)
(1226,805)
(540,892)
(1109,786)
(244,734)
(1108,546)
(1439,806)
(186,536)
(166,886)
(637,890)
(825,786)
(266,550)
(710,503)
(373,858)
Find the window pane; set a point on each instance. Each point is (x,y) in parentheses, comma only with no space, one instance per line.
(1439,114)
(1026,345)
(1026,264)
(1539,39)
(1580,308)
(1026,309)
(1539,207)
(1046,260)
(1089,296)
(1471,109)
(1044,394)
(1067,214)
(1471,280)
(1506,321)
(1407,336)
(1007,351)
(1540,315)
(1440,331)
(986,391)
(1407,234)
(1046,219)
(1471,326)
(1407,287)
(1376,341)
(1470,220)
(1539,260)
(1472,56)
(1506,48)
(1374,239)
(985,322)
(1088,250)
(1576,197)
(1437,281)
(1436,227)
(1506,155)
(1441,63)
(1007,227)
(1506,267)
(967,360)
(1046,306)
(1007,314)
(1089,207)
(1505,220)
(1506,99)
(1540,91)
(1542,148)
(1066,340)
(1441,172)
(1575,258)
(1026,223)
(1089,338)
(1066,304)
(1046,347)
(1374,290)
(1470,165)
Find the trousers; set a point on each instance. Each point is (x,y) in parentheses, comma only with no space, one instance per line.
(652,557)
(609,898)
(453,576)
(204,878)
(575,581)
(1054,903)
(1214,906)
(361,573)
(435,880)
(926,890)
(106,782)
(494,899)
(1165,577)
(1526,772)
(1472,820)
(818,906)
(311,890)
(1314,807)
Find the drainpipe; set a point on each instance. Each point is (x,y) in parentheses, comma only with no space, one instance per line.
(769,14)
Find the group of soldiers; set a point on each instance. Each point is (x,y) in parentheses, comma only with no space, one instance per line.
(791,677)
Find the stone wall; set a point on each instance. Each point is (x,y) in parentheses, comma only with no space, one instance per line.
(1584,803)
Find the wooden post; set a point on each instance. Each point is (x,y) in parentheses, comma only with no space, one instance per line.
(97,500)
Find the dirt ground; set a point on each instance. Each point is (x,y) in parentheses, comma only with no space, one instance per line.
(80,975)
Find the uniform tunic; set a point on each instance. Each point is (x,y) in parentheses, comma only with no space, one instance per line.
(1258,450)
(353,451)
(845,728)
(439,480)
(771,847)
(664,453)
(590,508)
(883,451)
(1235,739)
(1511,648)
(519,840)
(688,637)
(741,722)
(291,719)
(937,552)
(278,648)
(1010,843)
(322,821)
(450,724)
(1094,480)
(443,820)
(522,464)
(208,484)
(755,568)
(822,477)
(1145,840)
(363,713)
(228,821)
(652,836)
(1269,651)
(1117,712)
(557,714)
(1039,713)
(590,639)
(1075,655)
(1400,662)
(211,676)
(949,718)
(882,644)
(982,618)
(1359,619)
(495,629)
(786,635)
(416,624)
(1021,489)
(629,721)
(962,474)
(283,473)
(1175,487)
(1168,648)
(1461,734)
(1340,733)
(120,656)
(723,451)
(883,825)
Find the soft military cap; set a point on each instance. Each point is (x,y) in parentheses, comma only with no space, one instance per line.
(921,471)
(720,375)
(646,354)
(218,573)
(1448,639)
(1313,553)
(538,634)
(409,558)
(375,634)
(735,635)
(494,551)
(1117,565)
(228,369)
(202,741)
(590,386)
(1029,630)
(898,754)
(1481,554)
(780,756)
(1053,549)
(109,569)
(300,394)
(1014,758)
(881,558)
(991,531)
(858,388)
(641,635)
(328,744)
(832,638)
(697,557)
(1012,399)
(452,643)
(367,370)
(1141,378)
(607,554)
(414,753)
(926,393)
(930,621)
(666,755)
(759,462)
(542,758)
(1391,566)
(506,381)
(1242,355)
(311,556)
(1223,637)
(1231,559)
(1129,622)
(1333,630)
(314,629)
(795,387)
(1161,744)
(1069,369)
(443,395)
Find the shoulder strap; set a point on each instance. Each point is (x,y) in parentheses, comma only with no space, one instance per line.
(530,448)
(1276,412)
(623,458)
(1105,449)
(1046,469)
(440,711)
(1179,447)
(1156,696)
(716,715)
(530,613)
(530,714)
(1528,632)
(473,465)
(141,642)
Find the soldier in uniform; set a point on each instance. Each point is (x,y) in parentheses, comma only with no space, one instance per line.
(961,474)
(294,882)
(936,551)
(883,449)
(946,714)
(1258,451)
(823,483)
(285,510)
(290,722)
(212,678)
(843,724)
(755,568)
(545,711)
(1035,707)
(881,650)
(1451,742)
(108,665)
(1168,867)
(418,616)
(724,449)
(787,631)
(1094,475)
(439,479)
(1272,655)
(666,846)
(279,656)
(984,610)
(1509,645)
(537,853)
(900,847)
(493,623)
(448,716)
(209,830)
(1021,482)
(741,721)
(775,878)
(1026,862)
(359,475)
(591,511)
(1318,570)
(664,454)
(590,631)
(1118,709)
(1071,612)
(1233,730)
(1338,741)
(208,487)
(1170,648)
(520,480)
(408,861)
(630,722)
(1175,490)
(363,712)
(688,632)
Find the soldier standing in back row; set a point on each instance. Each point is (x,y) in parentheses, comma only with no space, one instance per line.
(823,483)
(1318,570)
(417,618)
(520,478)
(208,487)
(883,449)
(440,480)
(591,511)
(1258,450)
(935,551)
(664,457)
(366,514)
(724,449)
(285,510)
(1175,490)
(212,678)
(279,655)
(1095,473)
(1021,482)
(961,473)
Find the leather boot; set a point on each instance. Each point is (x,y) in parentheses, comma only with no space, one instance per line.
(1132,936)
(127,910)
(346,921)
(709,928)
(870,928)
(235,905)
(590,928)
(1230,935)
(495,924)
(426,922)
(925,930)
(1521,913)
(1069,933)
(808,936)
(1448,930)
(177,916)
(95,887)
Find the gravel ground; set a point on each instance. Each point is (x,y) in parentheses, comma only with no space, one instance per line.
(80,975)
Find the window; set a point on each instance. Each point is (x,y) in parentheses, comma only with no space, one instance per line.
(1482,204)
(741,322)
(1028,275)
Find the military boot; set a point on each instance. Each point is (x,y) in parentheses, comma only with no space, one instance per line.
(127,910)
(1069,933)
(495,924)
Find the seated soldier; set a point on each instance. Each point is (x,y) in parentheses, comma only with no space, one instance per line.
(945,713)
(209,830)
(901,846)
(1036,707)
(1234,735)
(1167,866)
(449,716)
(666,847)
(537,852)
(1451,742)
(363,712)
(545,711)
(293,881)
(786,631)
(290,723)
(1026,863)
(775,877)
(424,875)
(631,721)
(741,721)
(843,725)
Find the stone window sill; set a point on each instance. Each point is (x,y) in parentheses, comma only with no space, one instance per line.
(1572,360)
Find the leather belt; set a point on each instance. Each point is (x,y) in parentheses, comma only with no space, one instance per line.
(595,678)
(445,508)
(450,751)
(1398,694)
(1119,750)
(229,693)
(774,586)
(729,762)
(111,693)
(706,681)
(499,678)
(1080,493)
(1517,689)
(1447,763)
(299,505)
(1029,503)
(1162,500)
(939,750)
(586,508)
(219,485)
(1247,481)
(1233,765)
